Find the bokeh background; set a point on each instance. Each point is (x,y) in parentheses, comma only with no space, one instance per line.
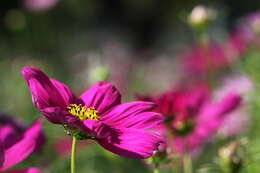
(136,45)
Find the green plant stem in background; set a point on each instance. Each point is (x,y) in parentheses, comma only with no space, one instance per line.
(73,154)
(156,170)
(187,163)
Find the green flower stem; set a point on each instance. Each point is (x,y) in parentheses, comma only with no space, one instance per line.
(156,164)
(73,154)
(187,163)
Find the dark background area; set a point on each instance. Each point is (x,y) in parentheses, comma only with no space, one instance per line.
(144,21)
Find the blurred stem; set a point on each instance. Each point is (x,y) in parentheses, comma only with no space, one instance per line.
(187,163)
(203,39)
(156,170)
(73,154)
(156,164)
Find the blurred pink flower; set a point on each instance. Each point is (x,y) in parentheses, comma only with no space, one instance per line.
(248,31)
(98,114)
(16,145)
(236,45)
(238,120)
(240,84)
(39,5)
(204,59)
(192,117)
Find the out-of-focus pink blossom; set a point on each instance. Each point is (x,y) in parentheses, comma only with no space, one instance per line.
(236,45)
(191,115)
(238,120)
(248,31)
(39,5)
(205,59)
(17,143)
(241,84)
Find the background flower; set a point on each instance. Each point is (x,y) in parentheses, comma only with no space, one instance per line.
(17,145)
(39,5)
(192,116)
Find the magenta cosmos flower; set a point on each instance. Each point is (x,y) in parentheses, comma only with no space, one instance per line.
(124,129)
(17,143)
(191,117)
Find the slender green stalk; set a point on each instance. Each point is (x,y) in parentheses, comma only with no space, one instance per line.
(156,164)
(73,154)
(187,163)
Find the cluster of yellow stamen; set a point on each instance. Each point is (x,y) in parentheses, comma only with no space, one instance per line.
(82,112)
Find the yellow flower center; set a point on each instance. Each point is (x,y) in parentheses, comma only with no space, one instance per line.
(82,112)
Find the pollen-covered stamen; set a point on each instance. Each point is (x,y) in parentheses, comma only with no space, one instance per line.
(82,112)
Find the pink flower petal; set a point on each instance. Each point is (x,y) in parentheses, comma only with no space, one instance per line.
(132,143)
(127,142)
(237,122)
(30,170)
(229,103)
(53,114)
(97,129)
(188,101)
(212,111)
(134,115)
(44,91)
(102,96)
(65,92)
(24,147)
(8,136)
(58,115)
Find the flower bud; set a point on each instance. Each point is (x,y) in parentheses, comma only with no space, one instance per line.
(200,16)
(230,157)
